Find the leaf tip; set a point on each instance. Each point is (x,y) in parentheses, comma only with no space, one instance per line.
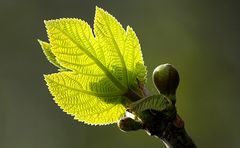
(129,27)
(98,9)
(46,77)
(46,21)
(40,42)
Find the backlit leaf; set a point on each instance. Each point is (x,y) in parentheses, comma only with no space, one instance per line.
(102,67)
(155,102)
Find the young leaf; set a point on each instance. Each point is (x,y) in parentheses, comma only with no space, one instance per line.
(102,68)
(116,42)
(155,102)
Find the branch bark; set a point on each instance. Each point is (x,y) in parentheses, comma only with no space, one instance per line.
(170,130)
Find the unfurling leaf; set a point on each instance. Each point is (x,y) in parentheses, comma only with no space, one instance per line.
(102,69)
(155,102)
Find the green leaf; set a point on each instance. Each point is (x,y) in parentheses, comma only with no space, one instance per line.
(102,68)
(155,102)
(116,42)
(48,53)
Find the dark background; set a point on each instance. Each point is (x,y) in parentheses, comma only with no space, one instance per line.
(201,38)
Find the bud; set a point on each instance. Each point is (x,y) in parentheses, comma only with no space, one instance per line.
(127,124)
(166,80)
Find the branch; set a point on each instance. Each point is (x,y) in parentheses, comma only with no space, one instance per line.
(171,131)
(165,124)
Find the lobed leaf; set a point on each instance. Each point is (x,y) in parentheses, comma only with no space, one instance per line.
(102,68)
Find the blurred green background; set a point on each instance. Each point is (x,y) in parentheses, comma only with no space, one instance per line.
(201,38)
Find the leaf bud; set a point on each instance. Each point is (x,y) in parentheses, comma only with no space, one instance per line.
(127,124)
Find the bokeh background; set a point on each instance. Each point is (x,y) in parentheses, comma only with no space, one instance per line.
(201,38)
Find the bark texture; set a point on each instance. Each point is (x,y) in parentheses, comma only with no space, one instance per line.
(170,129)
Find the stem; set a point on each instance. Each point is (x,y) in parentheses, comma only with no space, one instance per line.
(171,131)
(166,125)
